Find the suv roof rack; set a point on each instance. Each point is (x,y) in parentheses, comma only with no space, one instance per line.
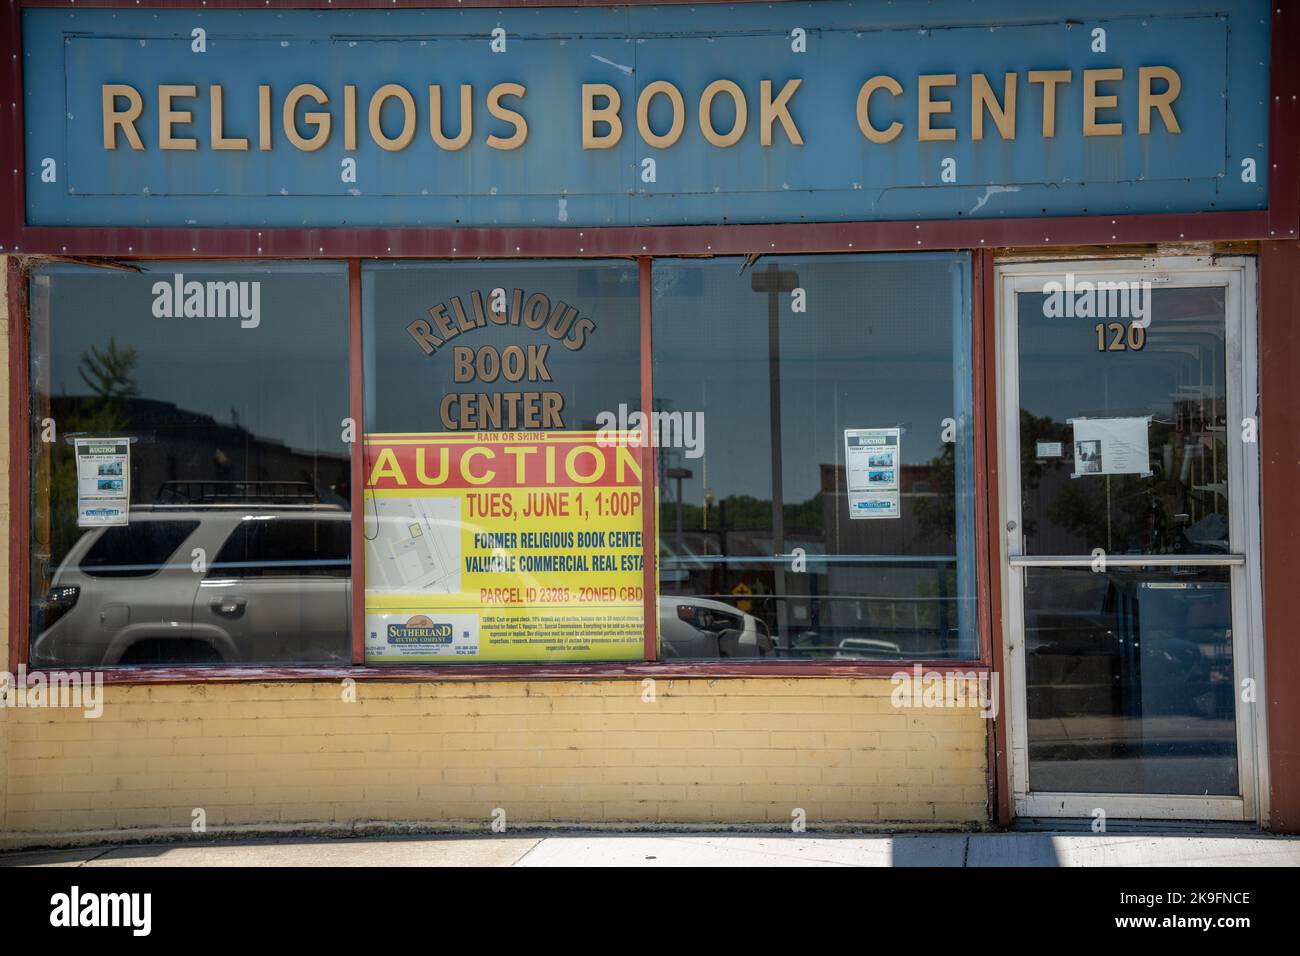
(189,492)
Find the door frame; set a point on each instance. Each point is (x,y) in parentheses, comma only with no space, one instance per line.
(1237,276)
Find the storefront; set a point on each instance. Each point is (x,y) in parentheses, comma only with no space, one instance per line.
(827,415)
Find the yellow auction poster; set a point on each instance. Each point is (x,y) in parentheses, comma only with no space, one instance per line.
(503,546)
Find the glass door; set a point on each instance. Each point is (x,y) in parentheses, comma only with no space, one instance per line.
(1129,516)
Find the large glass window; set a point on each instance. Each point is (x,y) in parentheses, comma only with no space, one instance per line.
(815,477)
(809,439)
(190,475)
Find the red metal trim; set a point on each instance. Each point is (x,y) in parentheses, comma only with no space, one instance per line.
(978,365)
(20,472)
(633,241)
(357,479)
(633,670)
(1279,435)
(1284,113)
(649,477)
(13,217)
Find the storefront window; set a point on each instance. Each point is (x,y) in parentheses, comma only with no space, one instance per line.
(503,514)
(190,475)
(815,477)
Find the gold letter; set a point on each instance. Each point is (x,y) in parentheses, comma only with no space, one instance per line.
(1092,102)
(466,117)
(926,107)
(510,116)
(1164,102)
(125,118)
(606,114)
(674,133)
(264,118)
(403,139)
(1049,79)
(706,113)
(890,133)
(219,140)
(778,109)
(321,120)
(981,98)
(167,116)
(349,117)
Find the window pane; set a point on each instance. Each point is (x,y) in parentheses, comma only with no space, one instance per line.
(128,551)
(500,526)
(282,546)
(838,386)
(1129,680)
(223,388)
(1163,389)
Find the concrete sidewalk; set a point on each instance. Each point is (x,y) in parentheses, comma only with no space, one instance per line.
(700,849)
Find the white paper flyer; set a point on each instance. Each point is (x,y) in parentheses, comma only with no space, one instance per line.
(103,481)
(872,461)
(1111,446)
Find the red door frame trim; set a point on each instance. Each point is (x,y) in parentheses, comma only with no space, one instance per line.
(989,539)
(1279,445)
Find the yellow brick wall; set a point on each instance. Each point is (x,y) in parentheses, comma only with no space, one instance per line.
(721,752)
(590,752)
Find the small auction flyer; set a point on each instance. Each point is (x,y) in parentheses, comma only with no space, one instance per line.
(1111,446)
(503,546)
(103,481)
(872,464)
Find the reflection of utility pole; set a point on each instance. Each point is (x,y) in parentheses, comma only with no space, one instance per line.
(679,474)
(773,281)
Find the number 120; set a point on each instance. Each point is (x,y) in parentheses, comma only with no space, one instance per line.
(1122,337)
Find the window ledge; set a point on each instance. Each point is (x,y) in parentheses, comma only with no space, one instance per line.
(480,672)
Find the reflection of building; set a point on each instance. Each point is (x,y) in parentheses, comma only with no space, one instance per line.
(178,446)
(885,586)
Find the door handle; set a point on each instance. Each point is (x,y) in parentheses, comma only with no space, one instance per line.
(228,606)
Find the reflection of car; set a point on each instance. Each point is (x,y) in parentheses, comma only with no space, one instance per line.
(856,648)
(699,627)
(274,585)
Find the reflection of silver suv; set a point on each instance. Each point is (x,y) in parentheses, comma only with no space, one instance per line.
(699,627)
(276,588)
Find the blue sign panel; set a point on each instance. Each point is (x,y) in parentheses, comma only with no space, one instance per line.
(781,112)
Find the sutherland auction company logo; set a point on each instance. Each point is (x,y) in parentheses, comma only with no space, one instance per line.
(420,629)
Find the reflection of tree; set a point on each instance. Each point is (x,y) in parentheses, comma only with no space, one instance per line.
(1034,429)
(937,513)
(108,373)
(744,513)
(1118,512)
